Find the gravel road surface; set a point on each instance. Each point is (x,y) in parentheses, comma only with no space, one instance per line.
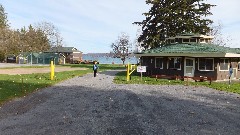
(96,106)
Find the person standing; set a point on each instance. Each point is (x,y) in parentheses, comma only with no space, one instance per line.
(230,73)
(95,68)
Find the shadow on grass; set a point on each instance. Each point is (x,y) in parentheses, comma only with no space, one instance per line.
(10,89)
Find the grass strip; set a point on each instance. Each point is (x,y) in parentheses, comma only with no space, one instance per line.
(136,79)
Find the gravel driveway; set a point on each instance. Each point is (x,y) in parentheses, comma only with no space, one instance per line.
(95,106)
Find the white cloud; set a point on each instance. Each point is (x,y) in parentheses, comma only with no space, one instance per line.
(92,25)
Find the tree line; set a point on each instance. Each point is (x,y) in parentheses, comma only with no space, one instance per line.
(36,37)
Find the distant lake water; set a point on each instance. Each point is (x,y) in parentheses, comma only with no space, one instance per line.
(109,60)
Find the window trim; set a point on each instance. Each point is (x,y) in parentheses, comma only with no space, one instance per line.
(174,68)
(205,67)
(156,62)
(224,62)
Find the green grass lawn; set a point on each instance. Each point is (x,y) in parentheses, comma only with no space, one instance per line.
(12,86)
(136,79)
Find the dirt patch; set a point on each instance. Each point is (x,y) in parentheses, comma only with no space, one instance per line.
(15,71)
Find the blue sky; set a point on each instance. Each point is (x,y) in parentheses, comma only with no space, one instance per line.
(92,25)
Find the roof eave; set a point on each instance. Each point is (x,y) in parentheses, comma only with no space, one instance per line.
(189,54)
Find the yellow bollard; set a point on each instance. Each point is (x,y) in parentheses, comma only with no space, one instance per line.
(52,71)
(128,76)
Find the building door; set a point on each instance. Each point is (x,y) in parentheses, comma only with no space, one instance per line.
(189,67)
(234,75)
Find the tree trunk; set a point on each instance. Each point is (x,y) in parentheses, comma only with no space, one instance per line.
(123,60)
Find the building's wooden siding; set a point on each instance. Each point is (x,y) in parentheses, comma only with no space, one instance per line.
(215,75)
(151,70)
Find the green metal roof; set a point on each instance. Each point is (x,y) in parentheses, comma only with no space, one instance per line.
(48,55)
(193,48)
(28,54)
(63,49)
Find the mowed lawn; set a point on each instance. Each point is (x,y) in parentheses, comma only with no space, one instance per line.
(13,86)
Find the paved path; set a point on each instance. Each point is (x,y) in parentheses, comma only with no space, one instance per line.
(95,106)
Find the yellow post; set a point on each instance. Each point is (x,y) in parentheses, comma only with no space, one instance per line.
(52,71)
(128,76)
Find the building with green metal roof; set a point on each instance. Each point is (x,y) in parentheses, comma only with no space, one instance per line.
(192,55)
(60,55)
(71,54)
(37,58)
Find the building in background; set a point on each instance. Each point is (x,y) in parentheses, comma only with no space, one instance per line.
(71,54)
(192,55)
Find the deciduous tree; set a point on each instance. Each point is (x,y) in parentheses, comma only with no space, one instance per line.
(36,38)
(51,32)
(122,47)
(219,38)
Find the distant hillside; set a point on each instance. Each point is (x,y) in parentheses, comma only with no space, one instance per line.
(101,54)
(107,58)
(98,54)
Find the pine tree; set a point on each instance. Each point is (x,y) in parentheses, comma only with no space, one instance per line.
(3,18)
(172,17)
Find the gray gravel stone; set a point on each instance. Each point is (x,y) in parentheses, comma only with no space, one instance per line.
(96,106)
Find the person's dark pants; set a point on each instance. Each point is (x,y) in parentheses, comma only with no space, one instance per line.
(94,73)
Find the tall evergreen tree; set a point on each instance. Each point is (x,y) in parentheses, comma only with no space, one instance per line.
(172,17)
(3,33)
(3,18)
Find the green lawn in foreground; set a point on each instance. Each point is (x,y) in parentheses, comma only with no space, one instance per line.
(136,79)
(12,86)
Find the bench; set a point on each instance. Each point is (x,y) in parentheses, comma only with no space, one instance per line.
(177,77)
(166,77)
(200,79)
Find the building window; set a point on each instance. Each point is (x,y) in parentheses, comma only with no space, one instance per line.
(185,40)
(207,40)
(172,41)
(193,40)
(205,64)
(142,62)
(174,63)
(224,63)
(202,40)
(159,62)
(238,65)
